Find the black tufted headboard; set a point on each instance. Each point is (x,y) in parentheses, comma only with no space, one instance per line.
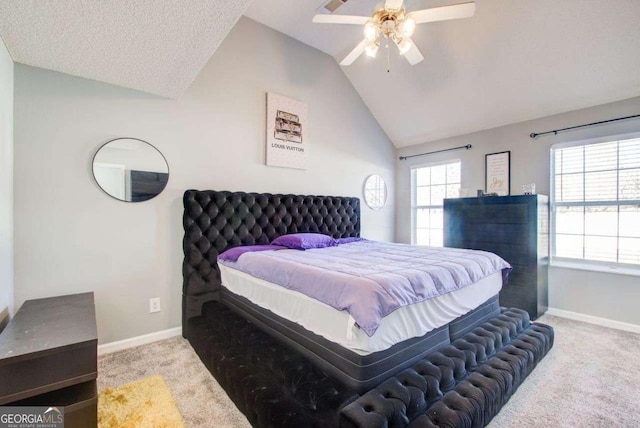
(215,221)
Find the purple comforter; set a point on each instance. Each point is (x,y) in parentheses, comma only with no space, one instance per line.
(371,279)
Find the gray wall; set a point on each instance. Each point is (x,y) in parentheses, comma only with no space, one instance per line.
(71,237)
(6,182)
(599,294)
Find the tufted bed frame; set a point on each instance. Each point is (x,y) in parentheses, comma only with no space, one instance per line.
(215,221)
(277,374)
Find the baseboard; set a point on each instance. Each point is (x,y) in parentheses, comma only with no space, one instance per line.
(605,322)
(132,342)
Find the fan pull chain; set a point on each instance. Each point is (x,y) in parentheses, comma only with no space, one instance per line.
(388,57)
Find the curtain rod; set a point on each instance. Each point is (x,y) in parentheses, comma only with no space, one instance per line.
(555,131)
(467,147)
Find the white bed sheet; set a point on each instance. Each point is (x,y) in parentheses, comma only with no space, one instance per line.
(338,326)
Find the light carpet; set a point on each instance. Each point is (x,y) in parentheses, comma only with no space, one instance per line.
(145,403)
(590,378)
(200,399)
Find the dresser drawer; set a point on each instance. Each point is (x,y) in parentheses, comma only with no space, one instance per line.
(522,278)
(496,233)
(499,214)
(518,297)
(514,254)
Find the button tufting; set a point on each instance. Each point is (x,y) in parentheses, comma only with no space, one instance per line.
(476,397)
(503,351)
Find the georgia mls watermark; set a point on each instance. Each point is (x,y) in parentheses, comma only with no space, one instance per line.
(31,417)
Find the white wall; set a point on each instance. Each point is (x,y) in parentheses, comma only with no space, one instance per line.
(602,294)
(71,237)
(6,181)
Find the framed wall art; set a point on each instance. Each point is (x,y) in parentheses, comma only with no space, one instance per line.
(287,132)
(498,173)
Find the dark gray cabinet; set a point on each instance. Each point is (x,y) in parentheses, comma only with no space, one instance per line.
(517,229)
(48,357)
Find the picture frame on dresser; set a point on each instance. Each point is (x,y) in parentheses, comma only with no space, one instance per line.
(497,173)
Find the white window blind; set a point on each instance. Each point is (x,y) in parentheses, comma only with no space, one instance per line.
(596,198)
(430,185)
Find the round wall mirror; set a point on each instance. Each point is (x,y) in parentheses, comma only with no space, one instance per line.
(130,169)
(375,192)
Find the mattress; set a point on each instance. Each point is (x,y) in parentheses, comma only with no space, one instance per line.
(407,322)
(358,372)
(369,279)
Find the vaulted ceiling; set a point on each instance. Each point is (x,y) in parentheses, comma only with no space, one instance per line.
(514,60)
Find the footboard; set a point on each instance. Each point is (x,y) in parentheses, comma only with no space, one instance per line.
(465,384)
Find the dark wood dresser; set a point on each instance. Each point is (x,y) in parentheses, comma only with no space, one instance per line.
(48,357)
(517,229)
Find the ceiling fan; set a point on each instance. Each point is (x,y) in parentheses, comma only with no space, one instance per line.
(394,23)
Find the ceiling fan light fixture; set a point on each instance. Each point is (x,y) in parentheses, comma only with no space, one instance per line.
(404,45)
(370,31)
(408,27)
(372,49)
(393,22)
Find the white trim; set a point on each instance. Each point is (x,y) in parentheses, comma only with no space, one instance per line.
(132,342)
(605,322)
(438,163)
(597,140)
(610,268)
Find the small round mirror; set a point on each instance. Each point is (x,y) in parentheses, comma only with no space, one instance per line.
(375,192)
(130,169)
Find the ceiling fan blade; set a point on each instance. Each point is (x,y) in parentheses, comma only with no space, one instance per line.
(354,54)
(393,4)
(341,19)
(413,55)
(444,13)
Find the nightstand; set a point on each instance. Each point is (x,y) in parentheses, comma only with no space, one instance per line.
(48,357)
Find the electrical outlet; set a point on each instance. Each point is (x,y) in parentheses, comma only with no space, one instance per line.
(154,305)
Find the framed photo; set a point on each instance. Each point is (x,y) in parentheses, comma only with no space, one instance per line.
(498,173)
(287,141)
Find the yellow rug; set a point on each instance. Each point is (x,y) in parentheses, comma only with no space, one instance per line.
(146,403)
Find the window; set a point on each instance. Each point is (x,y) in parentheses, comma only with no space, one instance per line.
(596,201)
(430,185)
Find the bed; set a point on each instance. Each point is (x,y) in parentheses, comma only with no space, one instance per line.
(215,221)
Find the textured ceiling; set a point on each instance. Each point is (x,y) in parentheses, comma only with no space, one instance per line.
(514,60)
(156,46)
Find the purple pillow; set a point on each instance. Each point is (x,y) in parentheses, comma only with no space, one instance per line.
(349,240)
(304,241)
(233,254)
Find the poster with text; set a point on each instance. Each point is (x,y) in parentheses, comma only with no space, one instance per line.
(498,173)
(287,132)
